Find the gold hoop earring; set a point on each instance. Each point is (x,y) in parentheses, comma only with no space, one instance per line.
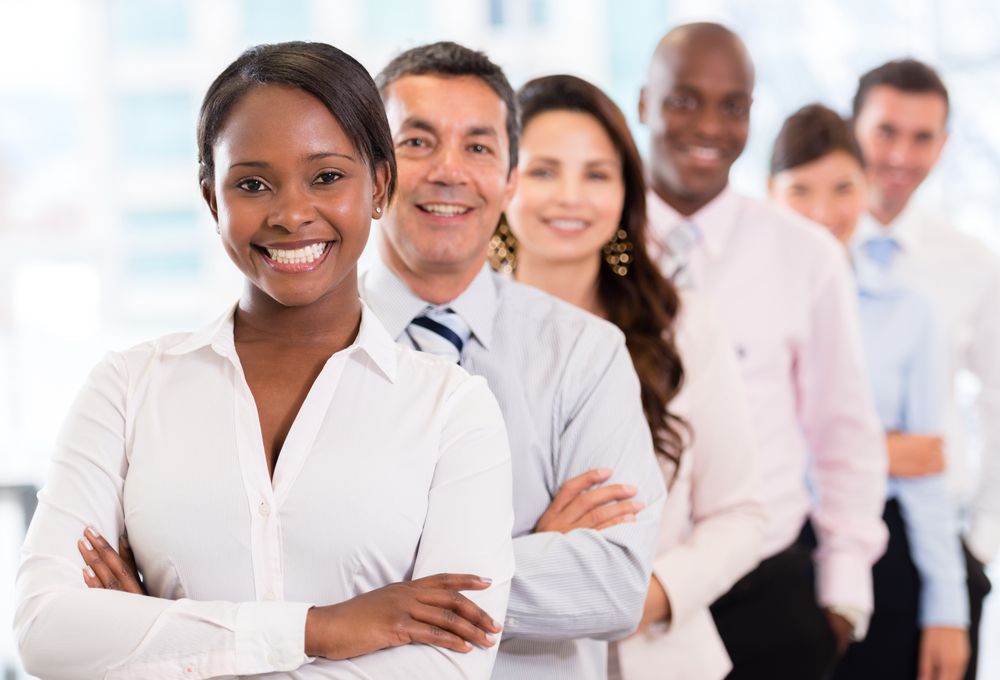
(502,249)
(616,253)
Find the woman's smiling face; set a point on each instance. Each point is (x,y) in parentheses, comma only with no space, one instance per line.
(292,196)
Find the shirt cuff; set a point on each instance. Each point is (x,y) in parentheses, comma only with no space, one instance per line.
(983,538)
(271,637)
(844,579)
(858,619)
(944,604)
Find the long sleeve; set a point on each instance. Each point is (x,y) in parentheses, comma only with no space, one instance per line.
(926,506)
(983,538)
(98,630)
(589,583)
(473,472)
(841,427)
(727,513)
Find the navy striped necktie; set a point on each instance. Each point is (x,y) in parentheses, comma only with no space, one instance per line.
(442,333)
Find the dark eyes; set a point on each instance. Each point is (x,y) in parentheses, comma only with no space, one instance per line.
(479,148)
(413,142)
(327,177)
(682,102)
(735,109)
(251,185)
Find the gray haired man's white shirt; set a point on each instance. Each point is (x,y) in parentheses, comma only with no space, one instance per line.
(571,403)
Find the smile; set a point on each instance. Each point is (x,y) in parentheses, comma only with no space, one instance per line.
(303,259)
(704,153)
(444,209)
(567,225)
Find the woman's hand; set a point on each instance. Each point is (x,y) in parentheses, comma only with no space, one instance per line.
(913,455)
(576,508)
(106,568)
(429,610)
(657,607)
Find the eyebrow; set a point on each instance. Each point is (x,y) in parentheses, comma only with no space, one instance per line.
(477,131)
(311,157)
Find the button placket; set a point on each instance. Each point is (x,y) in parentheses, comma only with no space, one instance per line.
(265,535)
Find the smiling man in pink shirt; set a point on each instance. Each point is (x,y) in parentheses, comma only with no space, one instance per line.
(784,289)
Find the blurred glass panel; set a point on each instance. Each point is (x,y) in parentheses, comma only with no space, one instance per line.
(268,21)
(149,23)
(161,220)
(165,265)
(157,127)
(57,299)
(396,19)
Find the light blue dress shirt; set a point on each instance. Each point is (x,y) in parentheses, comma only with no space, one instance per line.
(906,358)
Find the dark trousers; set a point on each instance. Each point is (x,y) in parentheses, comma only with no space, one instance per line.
(770,622)
(979,588)
(891,650)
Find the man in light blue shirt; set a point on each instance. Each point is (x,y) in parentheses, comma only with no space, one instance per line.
(906,358)
(563,378)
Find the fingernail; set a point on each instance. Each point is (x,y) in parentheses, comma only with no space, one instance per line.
(605,472)
(487,581)
(86,544)
(491,638)
(638,505)
(124,541)
(90,572)
(629,488)
(93,532)
(629,518)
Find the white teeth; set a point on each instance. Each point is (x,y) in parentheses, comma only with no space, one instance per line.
(568,225)
(705,153)
(445,209)
(298,256)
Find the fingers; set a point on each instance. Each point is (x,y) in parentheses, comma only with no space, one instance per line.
(452,582)
(106,564)
(459,606)
(574,487)
(434,635)
(594,503)
(450,622)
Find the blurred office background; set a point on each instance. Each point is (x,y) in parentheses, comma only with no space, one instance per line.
(104,237)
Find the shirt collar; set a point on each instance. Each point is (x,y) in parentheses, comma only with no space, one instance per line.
(715,220)
(396,305)
(905,229)
(373,339)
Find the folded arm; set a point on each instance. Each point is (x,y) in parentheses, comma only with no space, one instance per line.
(588,582)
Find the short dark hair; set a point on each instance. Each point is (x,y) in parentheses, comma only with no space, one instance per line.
(451,59)
(331,75)
(906,75)
(809,134)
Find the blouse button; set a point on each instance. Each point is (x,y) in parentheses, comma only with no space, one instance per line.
(272,657)
(269,596)
(264,509)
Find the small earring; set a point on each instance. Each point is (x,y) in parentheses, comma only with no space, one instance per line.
(616,253)
(378,210)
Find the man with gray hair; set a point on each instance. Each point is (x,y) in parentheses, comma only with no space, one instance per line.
(584,536)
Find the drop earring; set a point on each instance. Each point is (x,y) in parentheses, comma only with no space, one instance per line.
(616,253)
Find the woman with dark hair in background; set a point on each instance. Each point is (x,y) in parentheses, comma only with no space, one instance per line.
(292,482)
(575,229)
(918,629)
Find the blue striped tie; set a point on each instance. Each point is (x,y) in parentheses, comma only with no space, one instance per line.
(442,333)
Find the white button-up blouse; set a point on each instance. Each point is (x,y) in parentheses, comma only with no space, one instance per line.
(396,467)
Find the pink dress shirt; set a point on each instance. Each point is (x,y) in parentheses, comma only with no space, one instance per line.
(714,519)
(787,299)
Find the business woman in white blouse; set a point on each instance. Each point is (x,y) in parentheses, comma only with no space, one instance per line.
(302,496)
(576,230)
